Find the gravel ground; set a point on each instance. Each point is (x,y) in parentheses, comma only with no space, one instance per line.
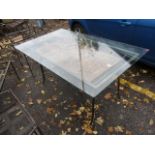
(60,108)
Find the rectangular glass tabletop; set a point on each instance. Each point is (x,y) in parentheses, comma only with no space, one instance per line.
(89,63)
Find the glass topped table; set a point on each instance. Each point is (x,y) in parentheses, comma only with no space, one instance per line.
(87,62)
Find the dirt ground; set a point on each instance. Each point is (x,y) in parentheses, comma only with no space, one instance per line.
(60,108)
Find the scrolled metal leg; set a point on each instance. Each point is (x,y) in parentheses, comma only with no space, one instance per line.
(39,132)
(14,69)
(93,111)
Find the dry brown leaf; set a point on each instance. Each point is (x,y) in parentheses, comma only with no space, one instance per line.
(63,132)
(82,109)
(99,121)
(61,93)
(29,92)
(121,88)
(43,92)
(50,110)
(118,102)
(44,102)
(87,129)
(37,82)
(30,103)
(142,81)
(54,97)
(51,79)
(95,132)
(128,132)
(125,101)
(76,113)
(39,101)
(23,79)
(68,129)
(119,128)
(25,71)
(19,113)
(49,100)
(21,128)
(19,85)
(151,122)
(146,100)
(108,96)
(62,122)
(144,71)
(110,129)
(56,115)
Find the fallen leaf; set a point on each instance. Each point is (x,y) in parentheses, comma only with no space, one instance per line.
(37,82)
(51,79)
(108,96)
(70,118)
(75,113)
(142,81)
(82,109)
(95,132)
(43,92)
(62,122)
(61,93)
(121,88)
(23,79)
(119,129)
(151,122)
(21,128)
(26,66)
(128,132)
(44,102)
(50,110)
(146,100)
(56,115)
(125,101)
(54,97)
(30,103)
(69,130)
(19,85)
(118,102)
(133,75)
(29,92)
(25,71)
(63,132)
(18,113)
(87,129)
(49,100)
(99,121)
(39,101)
(144,71)
(110,129)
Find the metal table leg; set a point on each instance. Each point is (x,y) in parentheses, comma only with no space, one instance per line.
(93,111)
(43,73)
(29,65)
(19,59)
(118,88)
